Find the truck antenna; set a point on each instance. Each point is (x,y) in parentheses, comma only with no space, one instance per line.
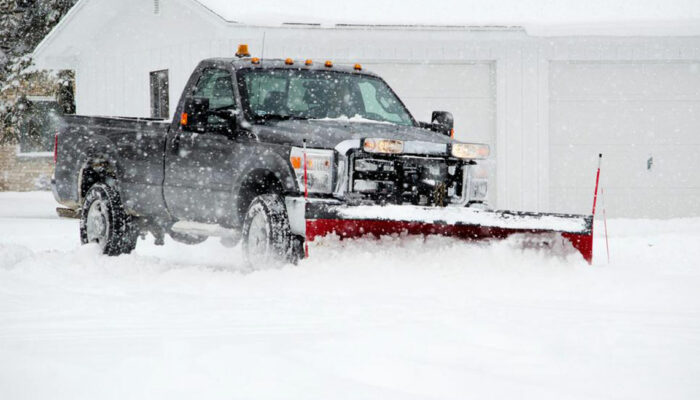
(262,56)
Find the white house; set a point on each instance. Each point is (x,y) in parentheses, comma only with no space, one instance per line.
(547,84)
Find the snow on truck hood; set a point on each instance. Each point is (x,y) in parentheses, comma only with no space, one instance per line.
(328,133)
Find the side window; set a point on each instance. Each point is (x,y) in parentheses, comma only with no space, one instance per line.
(376,102)
(159,94)
(216,85)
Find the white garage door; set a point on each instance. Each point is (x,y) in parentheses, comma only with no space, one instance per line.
(467,90)
(644,118)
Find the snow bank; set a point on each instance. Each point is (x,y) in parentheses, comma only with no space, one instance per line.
(402,318)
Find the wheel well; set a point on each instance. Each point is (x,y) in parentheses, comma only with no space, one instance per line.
(96,171)
(257,182)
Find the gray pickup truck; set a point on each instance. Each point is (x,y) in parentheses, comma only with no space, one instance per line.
(249,139)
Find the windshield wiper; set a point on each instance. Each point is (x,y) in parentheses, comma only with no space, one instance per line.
(280,117)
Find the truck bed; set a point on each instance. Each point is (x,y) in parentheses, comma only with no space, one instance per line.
(132,147)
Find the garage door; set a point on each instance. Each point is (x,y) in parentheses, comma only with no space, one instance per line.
(467,90)
(644,118)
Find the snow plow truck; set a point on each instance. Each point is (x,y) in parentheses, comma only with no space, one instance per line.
(277,153)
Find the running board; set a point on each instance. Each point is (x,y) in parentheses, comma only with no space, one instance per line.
(202,229)
(67,212)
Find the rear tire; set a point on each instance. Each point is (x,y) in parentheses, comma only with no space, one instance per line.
(267,237)
(104,221)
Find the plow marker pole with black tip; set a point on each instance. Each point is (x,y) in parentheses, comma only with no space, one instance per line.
(550,230)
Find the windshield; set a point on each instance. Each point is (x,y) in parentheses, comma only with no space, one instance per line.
(314,94)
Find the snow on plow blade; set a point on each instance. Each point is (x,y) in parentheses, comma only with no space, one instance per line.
(465,223)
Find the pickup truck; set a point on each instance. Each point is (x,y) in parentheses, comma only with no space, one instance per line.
(251,141)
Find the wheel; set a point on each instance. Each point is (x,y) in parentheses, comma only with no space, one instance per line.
(104,221)
(267,237)
(187,238)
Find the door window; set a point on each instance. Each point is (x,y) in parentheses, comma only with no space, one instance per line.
(216,86)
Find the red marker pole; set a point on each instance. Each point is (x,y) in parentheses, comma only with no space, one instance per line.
(595,193)
(306,200)
(597,180)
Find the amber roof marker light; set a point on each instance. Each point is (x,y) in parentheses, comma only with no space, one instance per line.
(328,64)
(255,60)
(308,62)
(358,67)
(289,61)
(242,51)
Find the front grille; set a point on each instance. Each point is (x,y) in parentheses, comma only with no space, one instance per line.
(407,180)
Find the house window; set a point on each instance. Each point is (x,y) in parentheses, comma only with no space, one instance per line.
(37,125)
(159,94)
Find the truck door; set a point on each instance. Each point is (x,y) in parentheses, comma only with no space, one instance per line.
(199,159)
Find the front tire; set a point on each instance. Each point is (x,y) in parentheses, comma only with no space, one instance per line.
(267,237)
(104,221)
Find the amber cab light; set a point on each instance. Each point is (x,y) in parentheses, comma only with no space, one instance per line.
(328,64)
(358,67)
(242,51)
(289,61)
(308,62)
(255,60)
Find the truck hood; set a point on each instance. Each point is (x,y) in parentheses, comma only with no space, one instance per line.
(329,133)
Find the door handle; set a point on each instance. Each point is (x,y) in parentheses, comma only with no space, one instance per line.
(176,143)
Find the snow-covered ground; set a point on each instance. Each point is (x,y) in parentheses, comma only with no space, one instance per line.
(390,319)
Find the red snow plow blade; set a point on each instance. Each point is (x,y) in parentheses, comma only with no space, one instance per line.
(537,229)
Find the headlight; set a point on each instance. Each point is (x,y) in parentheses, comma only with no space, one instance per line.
(382,146)
(470,150)
(319,169)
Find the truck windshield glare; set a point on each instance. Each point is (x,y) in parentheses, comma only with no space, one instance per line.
(314,94)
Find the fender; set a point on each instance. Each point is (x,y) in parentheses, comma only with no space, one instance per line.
(267,159)
(100,153)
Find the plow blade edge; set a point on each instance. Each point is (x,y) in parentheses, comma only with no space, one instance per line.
(465,223)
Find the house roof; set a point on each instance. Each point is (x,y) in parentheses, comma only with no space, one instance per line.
(538,17)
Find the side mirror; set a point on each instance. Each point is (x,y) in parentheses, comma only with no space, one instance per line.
(195,112)
(442,122)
